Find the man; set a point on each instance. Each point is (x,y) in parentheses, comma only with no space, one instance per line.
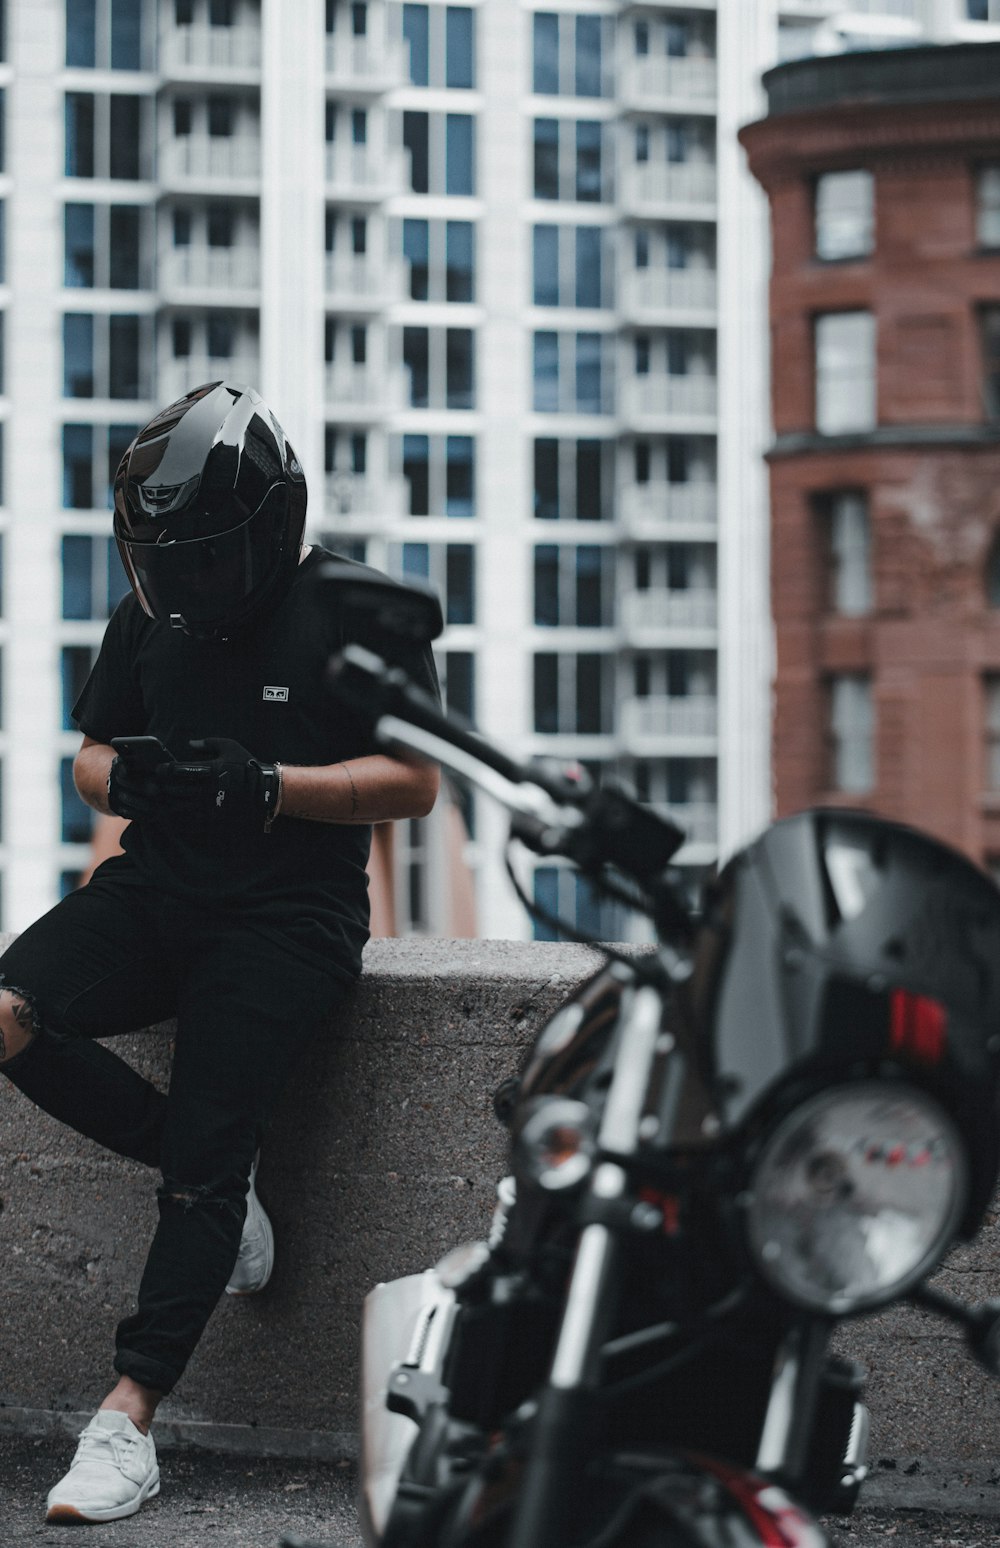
(239,905)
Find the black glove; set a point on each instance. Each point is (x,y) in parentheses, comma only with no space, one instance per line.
(132,789)
(225,785)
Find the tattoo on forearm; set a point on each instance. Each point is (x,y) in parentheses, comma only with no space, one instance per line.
(354,792)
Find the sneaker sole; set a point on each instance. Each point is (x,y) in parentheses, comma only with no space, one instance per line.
(269,1238)
(113,1513)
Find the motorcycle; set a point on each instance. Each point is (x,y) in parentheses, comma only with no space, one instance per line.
(780,1116)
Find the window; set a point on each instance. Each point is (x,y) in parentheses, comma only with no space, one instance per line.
(573,479)
(573,693)
(988,206)
(563,893)
(992,689)
(105,246)
(449,567)
(458,682)
(442,149)
(983,10)
(845,214)
(850,554)
(441,363)
(104,33)
(574,586)
(106,356)
(77,818)
(989,328)
(572,373)
(441,256)
(106,136)
(568,266)
(851,734)
(568,54)
(76,662)
(91,454)
(440,474)
(845,372)
(93,580)
(568,160)
(442,46)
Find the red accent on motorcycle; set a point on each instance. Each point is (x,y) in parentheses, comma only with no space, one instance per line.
(773,1514)
(918,1026)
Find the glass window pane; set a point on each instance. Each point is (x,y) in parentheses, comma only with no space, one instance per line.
(546,692)
(123,255)
(126,125)
(81,33)
(460,490)
(460,584)
(459,60)
(459,261)
(120,437)
(588,56)
(546,373)
(459,368)
(416,471)
(459,683)
(415,141)
(415,32)
(547,480)
(588,373)
(77,817)
(415,251)
(546,266)
(416,560)
(459,154)
(79,239)
(988,206)
(75,663)
(116,581)
(588,161)
(588,266)
(126,34)
(547,585)
(546,892)
(845,214)
(546,145)
(589,587)
(545,71)
(77,574)
(123,357)
(590,702)
(845,372)
(79,134)
(415,359)
(77,493)
(589,480)
(78,355)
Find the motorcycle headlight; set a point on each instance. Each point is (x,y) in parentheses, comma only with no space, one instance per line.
(855,1196)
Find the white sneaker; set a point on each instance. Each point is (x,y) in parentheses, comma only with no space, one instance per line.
(255,1259)
(113,1473)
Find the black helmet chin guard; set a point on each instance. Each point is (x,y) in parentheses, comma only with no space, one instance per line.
(210,509)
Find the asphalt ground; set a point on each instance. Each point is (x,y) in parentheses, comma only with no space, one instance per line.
(210,1500)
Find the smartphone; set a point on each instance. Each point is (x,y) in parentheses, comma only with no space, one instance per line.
(143,752)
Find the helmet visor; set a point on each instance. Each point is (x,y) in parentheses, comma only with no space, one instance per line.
(206,584)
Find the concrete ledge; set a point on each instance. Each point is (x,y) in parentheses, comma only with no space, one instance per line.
(384,1154)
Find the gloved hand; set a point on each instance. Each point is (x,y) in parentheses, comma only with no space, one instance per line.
(226,785)
(132,789)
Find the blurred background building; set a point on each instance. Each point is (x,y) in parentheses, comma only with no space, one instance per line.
(501,270)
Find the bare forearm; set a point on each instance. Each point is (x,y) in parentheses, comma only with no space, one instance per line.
(361,790)
(90,773)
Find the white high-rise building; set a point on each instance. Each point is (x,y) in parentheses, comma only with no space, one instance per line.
(501,273)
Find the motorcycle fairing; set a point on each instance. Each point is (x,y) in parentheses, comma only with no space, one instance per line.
(809,933)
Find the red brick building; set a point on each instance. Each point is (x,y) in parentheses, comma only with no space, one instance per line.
(883,175)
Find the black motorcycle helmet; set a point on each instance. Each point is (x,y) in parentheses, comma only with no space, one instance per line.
(210,509)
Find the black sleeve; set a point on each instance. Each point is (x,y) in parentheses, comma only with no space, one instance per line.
(111,703)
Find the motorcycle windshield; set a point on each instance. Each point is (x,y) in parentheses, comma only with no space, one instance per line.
(838,937)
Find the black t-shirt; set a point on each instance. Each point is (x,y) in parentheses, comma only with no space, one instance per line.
(266,690)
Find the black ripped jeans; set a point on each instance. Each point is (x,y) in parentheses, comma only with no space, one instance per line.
(117,956)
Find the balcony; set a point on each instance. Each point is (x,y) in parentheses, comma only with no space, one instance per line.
(365,496)
(355,281)
(210,268)
(684,189)
(363,172)
(646,401)
(657,84)
(663,512)
(210,158)
(362,66)
(657,724)
(177,377)
(362,391)
(186,52)
(669,295)
(655,618)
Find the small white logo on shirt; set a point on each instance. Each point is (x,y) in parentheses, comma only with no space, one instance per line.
(275,695)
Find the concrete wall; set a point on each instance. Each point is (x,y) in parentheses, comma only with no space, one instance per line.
(385,1153)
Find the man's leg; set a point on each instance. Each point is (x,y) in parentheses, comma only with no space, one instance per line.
(245,1010)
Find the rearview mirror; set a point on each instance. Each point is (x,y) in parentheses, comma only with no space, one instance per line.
(383,611)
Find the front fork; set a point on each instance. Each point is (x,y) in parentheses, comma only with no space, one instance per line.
(561,1425)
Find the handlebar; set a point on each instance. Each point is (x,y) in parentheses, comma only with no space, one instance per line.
(555,813)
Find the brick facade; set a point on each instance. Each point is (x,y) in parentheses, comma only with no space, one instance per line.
(929,469)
